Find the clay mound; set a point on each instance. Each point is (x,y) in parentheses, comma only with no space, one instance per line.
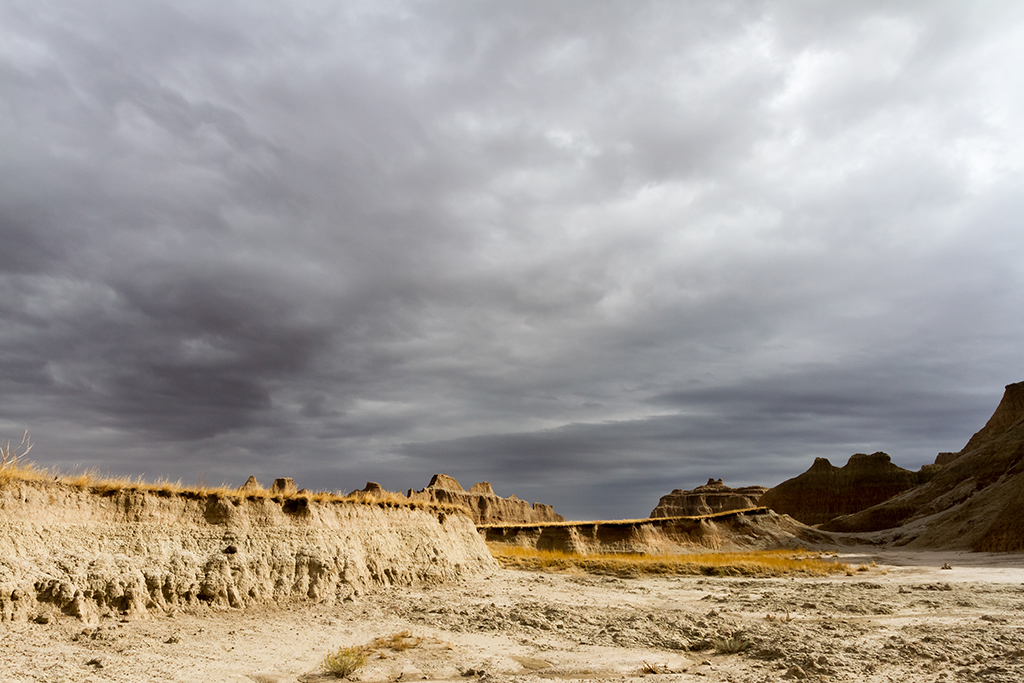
(708,499)
(374,490)
(975,502)
(825,491)
(483,504)
(250,486)
(99,553)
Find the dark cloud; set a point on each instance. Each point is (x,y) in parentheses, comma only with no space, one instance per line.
(589,252)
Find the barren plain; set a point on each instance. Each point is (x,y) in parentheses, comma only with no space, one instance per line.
(903,619)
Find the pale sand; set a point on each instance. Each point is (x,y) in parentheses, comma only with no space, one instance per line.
(904,620)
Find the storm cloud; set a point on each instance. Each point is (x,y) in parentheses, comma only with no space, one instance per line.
(587,251)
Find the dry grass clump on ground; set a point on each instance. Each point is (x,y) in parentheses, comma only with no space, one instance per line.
(345,660)
(712,563)
(14,467)
(399,641)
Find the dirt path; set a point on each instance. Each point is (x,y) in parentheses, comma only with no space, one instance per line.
(905,619)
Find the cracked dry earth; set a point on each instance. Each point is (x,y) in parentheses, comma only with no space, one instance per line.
(905,620)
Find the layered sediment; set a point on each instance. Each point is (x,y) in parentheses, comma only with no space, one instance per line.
(825,491)
(975,501)
(757,529)
(483,504)
(87,553)
(708,499)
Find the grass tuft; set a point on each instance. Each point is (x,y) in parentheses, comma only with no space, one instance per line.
(765,563)
(344,661)
(400,641)
(649,668)
(13,466)
(731,644)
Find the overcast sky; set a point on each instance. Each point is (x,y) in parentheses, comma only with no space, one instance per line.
(587,251)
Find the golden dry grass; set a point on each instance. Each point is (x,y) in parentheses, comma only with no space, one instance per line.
(344,661)
(762,563)
(620,522)
(14,467)
(398,641)
(13,464)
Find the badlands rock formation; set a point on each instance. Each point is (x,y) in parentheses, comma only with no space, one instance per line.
(707,499)
(757,529)
(483,504)
(975,502)
(826,491)
(87,553)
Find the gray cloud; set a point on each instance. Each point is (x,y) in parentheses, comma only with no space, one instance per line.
(587,251)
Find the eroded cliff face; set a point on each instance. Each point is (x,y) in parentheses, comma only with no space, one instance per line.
(825,491)
(87,554)
(758,529)
(708,499)
(483,504)
(974,502)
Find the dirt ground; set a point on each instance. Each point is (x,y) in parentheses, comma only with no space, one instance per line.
(906,619)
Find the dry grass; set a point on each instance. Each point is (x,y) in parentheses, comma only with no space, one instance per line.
(713,563)
(344,661)
(14,467)
(399,642)
(731,644)
(622,522)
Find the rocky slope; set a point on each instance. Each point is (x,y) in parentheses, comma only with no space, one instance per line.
(975,502)
(825,491)
(484,505)
(89,553)
(707,499)
(758,529)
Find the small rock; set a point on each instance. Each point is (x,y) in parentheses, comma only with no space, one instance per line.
(795,672)
(16,595)
(98,662)
(172,640)
(43,618)
(945,565)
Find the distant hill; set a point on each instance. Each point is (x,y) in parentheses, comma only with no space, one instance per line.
(825,491)
(974,502)
(483,504)
(708,499)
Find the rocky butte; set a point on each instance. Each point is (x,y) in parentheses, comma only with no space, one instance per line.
(974,502)
(708,499)
(484,505)
(826,491)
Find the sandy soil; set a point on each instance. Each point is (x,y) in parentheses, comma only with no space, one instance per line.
(904,620)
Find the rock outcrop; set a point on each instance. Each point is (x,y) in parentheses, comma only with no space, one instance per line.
(284,486)
(975,502)
(825,491)
(757,529)
(483,504)
(374,490)
(92,553)
(250,485)
(712,497)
